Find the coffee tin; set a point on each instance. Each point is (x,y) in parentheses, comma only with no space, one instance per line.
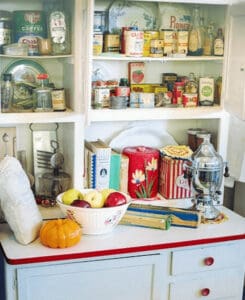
(5,28)
(28,25)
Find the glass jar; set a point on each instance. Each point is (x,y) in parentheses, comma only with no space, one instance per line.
(43,96)
(5,29)
(195,46)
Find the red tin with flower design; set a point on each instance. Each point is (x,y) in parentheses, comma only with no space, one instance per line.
(143,171)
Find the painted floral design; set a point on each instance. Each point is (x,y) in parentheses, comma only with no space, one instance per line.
(138,177)
(144,179)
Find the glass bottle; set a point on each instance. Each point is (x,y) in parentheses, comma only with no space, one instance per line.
(7,92)
(191,86)
(195,46)
(59,29)
(219,43)
(208,46)
(42,96)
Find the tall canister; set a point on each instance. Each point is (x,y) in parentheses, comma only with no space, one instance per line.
(28,26)
(5,29)
(143,171)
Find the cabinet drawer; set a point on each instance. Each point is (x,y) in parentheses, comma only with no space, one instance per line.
(225,284)
(204,259)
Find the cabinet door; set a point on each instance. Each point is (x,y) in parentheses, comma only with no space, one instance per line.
(235,81)
(129,278)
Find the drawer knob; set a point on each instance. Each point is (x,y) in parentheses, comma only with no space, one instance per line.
(205,292)
(208,261)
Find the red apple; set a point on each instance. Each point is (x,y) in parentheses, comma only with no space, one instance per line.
(115,199)
(80,203)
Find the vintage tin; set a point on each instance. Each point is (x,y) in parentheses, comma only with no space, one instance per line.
(27,27)
(148,36)
(172,182)
(5,28)
(206,91)
(156,49)
(182,41)
(168,36)
(101,98)
(111,43)
(143,171)
(58,99)
(134,43)
(97,43)
(189,100)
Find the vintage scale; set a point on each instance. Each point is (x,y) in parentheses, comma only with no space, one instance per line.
(205,171)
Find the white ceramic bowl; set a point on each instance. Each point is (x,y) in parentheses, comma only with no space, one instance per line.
(94,220)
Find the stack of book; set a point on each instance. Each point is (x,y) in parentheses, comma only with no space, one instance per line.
(104,167)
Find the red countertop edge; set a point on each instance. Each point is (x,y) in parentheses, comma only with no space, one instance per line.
(118,251)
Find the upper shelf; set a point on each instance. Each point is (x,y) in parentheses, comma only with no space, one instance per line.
(132,114)
(39,117)
(37,56)
(119,57)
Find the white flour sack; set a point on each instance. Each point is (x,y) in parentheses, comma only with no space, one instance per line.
(17,201)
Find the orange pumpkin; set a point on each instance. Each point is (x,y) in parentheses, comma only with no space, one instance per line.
(60,233)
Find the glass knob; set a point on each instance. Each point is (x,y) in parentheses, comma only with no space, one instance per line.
(205,292)
(208,261)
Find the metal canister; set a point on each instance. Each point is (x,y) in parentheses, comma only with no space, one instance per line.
(5,28)
(168,36)
(134,43)
(156,49)
(97,43)
(111,42)
(28,26)
(149,35)
(58,99)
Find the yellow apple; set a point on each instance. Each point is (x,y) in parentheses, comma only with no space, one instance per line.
(94,198)
(106,192)
(70,195)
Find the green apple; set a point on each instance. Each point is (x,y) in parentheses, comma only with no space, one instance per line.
(94,198)
(70,195)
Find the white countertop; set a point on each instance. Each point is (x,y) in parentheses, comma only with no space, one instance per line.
(123,240)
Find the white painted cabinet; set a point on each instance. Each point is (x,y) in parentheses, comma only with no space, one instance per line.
(172,274)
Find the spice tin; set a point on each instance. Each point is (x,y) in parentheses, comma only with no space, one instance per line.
(97,43)
(182,41)
(148,36)
(5,28)
(156,49)
(190,100)
(168,36)
(27,27)
(143,171)
(58,99)
(134,43)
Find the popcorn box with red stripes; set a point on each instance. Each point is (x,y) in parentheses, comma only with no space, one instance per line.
(172,184)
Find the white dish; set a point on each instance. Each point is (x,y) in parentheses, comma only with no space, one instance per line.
(132,13)
(141,136)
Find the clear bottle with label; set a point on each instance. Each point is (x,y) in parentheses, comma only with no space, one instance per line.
(208,46)
(7,92)
(59,29)
(195,45)
(219,43)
